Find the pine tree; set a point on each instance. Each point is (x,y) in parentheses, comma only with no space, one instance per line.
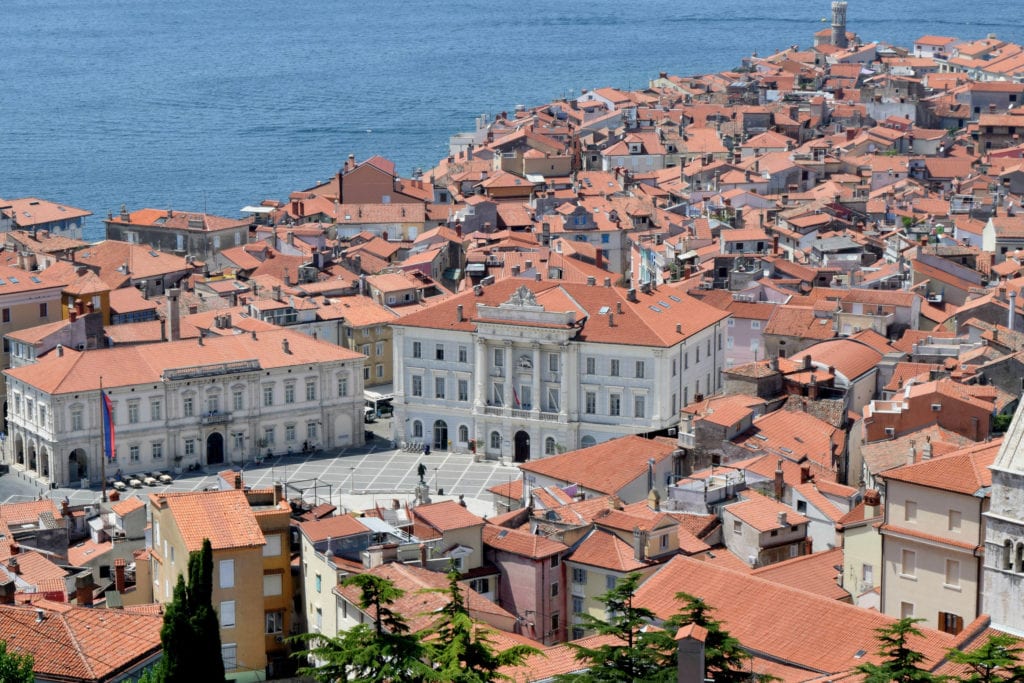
(998,659)
(383,652)
(637,654)
(900,663)
(724,659)
(460,649)
(15,668)
(190,634)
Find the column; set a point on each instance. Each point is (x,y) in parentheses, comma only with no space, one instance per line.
(657,393)
(570,386)
(506,385)
(480,375)
(398,368)
(536,398)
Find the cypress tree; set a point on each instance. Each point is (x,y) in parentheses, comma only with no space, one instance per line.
(191,632)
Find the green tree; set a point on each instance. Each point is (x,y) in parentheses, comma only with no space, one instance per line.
(15,668)
(998,659)
(900,662)
(460,648)
(383,652)
(636,654)
(724,659)
(191,632)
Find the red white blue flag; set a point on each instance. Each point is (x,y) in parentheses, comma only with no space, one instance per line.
(515,395)
(109,448)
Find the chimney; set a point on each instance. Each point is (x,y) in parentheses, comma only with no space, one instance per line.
(631,295)
(812,389)
(782,519)
(805,474)
(607,282)
(278,492)
(200,338)
(83,590)
(423,555)
(591,280)
(639,545)
(618,307)
(679,328)
(119,583)
(285,347)
(7,591)
(72,315)
(1011,316)
(173,315)
(926,450)
(872,504)
(611,320)
(40,615)
(807,362)
(690,654)
(60,350)
(780,481)
(238,481)
(912,454)
(12,565)
(459,313)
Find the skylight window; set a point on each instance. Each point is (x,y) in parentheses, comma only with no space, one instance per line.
(36,280)
(14,280)
(604,310)
(655,309)
(664,305)
(674,298)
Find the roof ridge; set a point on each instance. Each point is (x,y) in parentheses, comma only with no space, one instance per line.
(78,646)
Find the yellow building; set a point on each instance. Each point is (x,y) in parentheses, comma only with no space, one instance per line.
(366,329)
(252,586)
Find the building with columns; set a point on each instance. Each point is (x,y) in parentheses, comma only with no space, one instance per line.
(216,400)
(522,369)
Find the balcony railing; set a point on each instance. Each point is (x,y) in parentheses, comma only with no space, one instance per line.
(215,418)
(497,411)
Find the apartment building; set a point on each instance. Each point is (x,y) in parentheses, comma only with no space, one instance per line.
(522,370)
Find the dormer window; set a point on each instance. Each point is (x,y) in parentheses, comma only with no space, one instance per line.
(635,148)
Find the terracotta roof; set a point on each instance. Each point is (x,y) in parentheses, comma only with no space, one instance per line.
(795,435)
(801,322)
(605,550)
(762,513)
(338,526)
(178,220)
(224,517)
(127,505)
(606,467)
(533,546)
(87,551)
(810,492)
(964,471)
(849,357)
(446,516)
(78,643)
(29,211)
(815,573)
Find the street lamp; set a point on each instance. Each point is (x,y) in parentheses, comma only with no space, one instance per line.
(436,468)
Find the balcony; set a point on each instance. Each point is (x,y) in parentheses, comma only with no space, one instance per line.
(496,411)
(521,414)
(214,418)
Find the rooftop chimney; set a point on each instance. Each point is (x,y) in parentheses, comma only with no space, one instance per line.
(459,313)
(872,504)
(912,454)
(639,545)
(611,320)
(1011,316)
(119,582)
(782,519)
(83,590)
(285,347)
(591,280)
(173,314)
(691,667)
(238,481)
(780,481)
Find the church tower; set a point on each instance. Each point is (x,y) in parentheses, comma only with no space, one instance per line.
(839,23)
(1003,571)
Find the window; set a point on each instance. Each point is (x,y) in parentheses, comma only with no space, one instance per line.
(591,366)
(614,404)
(950,623)
(640,368)
(44,310)
(272,585)
(42,415)
(366,372)
(417,385)
(463,434)
(952,574)
(269,436)
(133,412)
(417,350)
(156,409)
(463,390)
(380,370)
(229,655)
(590,403)
(190,446)
(289,393)
(481,585)
(439,352)
(318,583)
(417,429)
(289,433)
(755,324)
(312,433)
(737,527)
(463,354)
(275,622)
(133,453)
(579,575)
(638,406)
(238,441)
(954,520)
(187,407)
(554,561)
(498,397)
(910,511)
(495,440)
(342,387)
(553,399)
(908,563)
(614,371)
(555,622)
(906,610)
(499,358)
(673,368)
(76,419)
(554,590)
(268,395)
(380,348)
(801,506)
(610,581)
(867,574)
(549,446)
(552,362)
(310,390)
(439,387)
(365,350)
(226,573)
(577,604)
(6,315)
(697,351)
(227,614)
(577,632)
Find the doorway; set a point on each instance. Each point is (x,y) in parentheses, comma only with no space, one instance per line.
(522,447)
(215,449)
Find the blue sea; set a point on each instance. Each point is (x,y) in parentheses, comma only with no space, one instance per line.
(215,104)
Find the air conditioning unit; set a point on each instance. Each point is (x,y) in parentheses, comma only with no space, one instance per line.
(672,431)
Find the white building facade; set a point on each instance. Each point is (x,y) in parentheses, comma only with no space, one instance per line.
(219,400)
(521,370)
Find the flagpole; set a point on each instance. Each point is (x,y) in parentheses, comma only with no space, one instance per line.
(103,447)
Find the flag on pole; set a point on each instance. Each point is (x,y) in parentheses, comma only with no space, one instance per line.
(515,395)
(109,449)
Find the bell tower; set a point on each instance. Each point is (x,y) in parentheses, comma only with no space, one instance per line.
(839,23)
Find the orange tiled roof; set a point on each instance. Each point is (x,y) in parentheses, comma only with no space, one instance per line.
(762,513)
(338,526)
(522,543)
(605,467)
(964,471)
(815,573)
(605,550)
(224,517)
(446,516)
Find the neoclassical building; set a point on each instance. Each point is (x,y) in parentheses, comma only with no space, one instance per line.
(208,401)
(525,369)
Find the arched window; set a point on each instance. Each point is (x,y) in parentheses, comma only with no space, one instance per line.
(495,440)
(1008,555)
(549,446)
(417,429)
(587,441)
(1018,563)
(463,434)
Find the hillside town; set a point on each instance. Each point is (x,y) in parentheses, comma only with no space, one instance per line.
(749,336)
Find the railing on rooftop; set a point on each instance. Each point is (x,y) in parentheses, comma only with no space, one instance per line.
(211,370)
